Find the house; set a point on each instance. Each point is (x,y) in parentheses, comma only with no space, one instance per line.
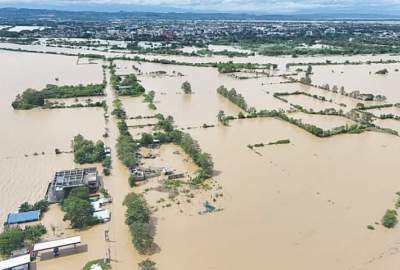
(22,217)
(68,179)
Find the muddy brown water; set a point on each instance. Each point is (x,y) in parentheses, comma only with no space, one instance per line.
(303,205)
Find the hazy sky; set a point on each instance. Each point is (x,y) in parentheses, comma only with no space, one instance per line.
(264,6)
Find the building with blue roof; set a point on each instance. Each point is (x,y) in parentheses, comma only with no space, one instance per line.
(22,217)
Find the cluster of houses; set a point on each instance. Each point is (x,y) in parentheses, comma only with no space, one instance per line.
(57,190)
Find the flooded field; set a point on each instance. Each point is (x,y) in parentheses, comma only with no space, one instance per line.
(301,205)
(29,138)
(325,122)
(367,82)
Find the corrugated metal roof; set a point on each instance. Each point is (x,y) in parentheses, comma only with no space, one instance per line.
(14,262)
(57,243)
(14,218)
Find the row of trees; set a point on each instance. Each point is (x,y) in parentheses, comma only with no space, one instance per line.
(32,98)
(149,98)
(138,219)
(168,134)
(230,67)
(233,96)
(42,206)
(126,146)
(118,111)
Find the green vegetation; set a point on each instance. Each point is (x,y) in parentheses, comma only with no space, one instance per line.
(362,107)
(382,71)
(186,87)
(78,209)
(106,166)
(279,142)
(56,105)
(100,262)
(389,220)
(34,233)
(233,96)
(257,145)
(118,111)
(132,181)
(149,98)
(331,46)
(79,192)
(86,151)
(126,146)
(14,238)
(42,206)
(230,67)
(138,220)
(126,85)
(188,144)
(147,265)
(222,118)
(31,98)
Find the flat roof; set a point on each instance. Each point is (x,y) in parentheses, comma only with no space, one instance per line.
(14,262)
(15,218)
(57,243)
(103,214)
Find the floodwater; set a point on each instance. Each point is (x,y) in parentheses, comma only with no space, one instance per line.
(303,205)
(361,78)
(29,138)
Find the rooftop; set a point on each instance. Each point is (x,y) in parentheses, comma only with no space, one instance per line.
(15,218)
(74,178)
(15,262)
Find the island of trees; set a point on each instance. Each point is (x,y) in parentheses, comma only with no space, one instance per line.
(32,98)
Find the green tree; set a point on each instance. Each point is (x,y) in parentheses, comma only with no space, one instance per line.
(137,209)
(79,212)
(34,233)
(186,87)
(11,239)
(146,139)
(85,151)
(79,192)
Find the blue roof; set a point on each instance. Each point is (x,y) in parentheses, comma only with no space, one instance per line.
(14,218)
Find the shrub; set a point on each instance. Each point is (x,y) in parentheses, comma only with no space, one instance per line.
(147,265)
(132,180)
(389,220)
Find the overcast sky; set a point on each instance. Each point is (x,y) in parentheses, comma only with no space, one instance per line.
(262,6)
